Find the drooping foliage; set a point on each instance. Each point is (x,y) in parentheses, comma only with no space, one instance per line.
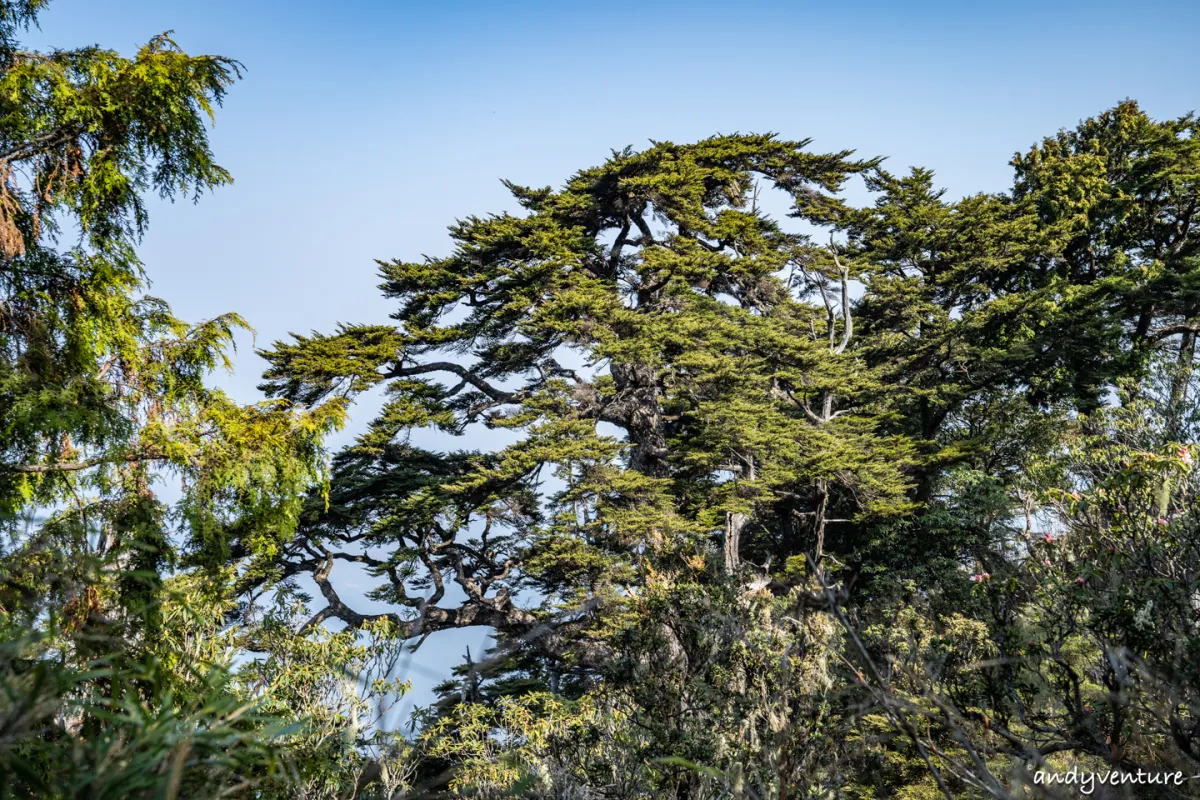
(113,600)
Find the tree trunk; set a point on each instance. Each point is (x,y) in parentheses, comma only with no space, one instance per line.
(637,388)
(819,521)
(1177,404)
(1177,408)
(734,522)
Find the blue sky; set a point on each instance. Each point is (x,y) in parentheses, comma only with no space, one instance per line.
(362,129)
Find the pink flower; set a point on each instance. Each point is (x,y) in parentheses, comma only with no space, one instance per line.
(987,576)
(1031,643)
(1075,496)
(1185,456)
(1080,580)
(1163,522)
(1048,563)
(1048,538)
(977,578)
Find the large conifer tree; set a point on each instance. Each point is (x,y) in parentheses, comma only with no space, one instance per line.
(650,294)
(772,496)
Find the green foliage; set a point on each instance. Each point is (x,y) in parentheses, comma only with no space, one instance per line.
(108,731)
(902,506)
(116,649)
(336,688)
(769,525)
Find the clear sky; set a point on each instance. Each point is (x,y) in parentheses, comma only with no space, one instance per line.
(363,128)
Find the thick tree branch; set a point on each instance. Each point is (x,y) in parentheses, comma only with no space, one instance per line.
(1173,330)
(847,319)
(559,638)
(76,466)
(499,395)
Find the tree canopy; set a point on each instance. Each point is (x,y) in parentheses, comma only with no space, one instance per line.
(741,443)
